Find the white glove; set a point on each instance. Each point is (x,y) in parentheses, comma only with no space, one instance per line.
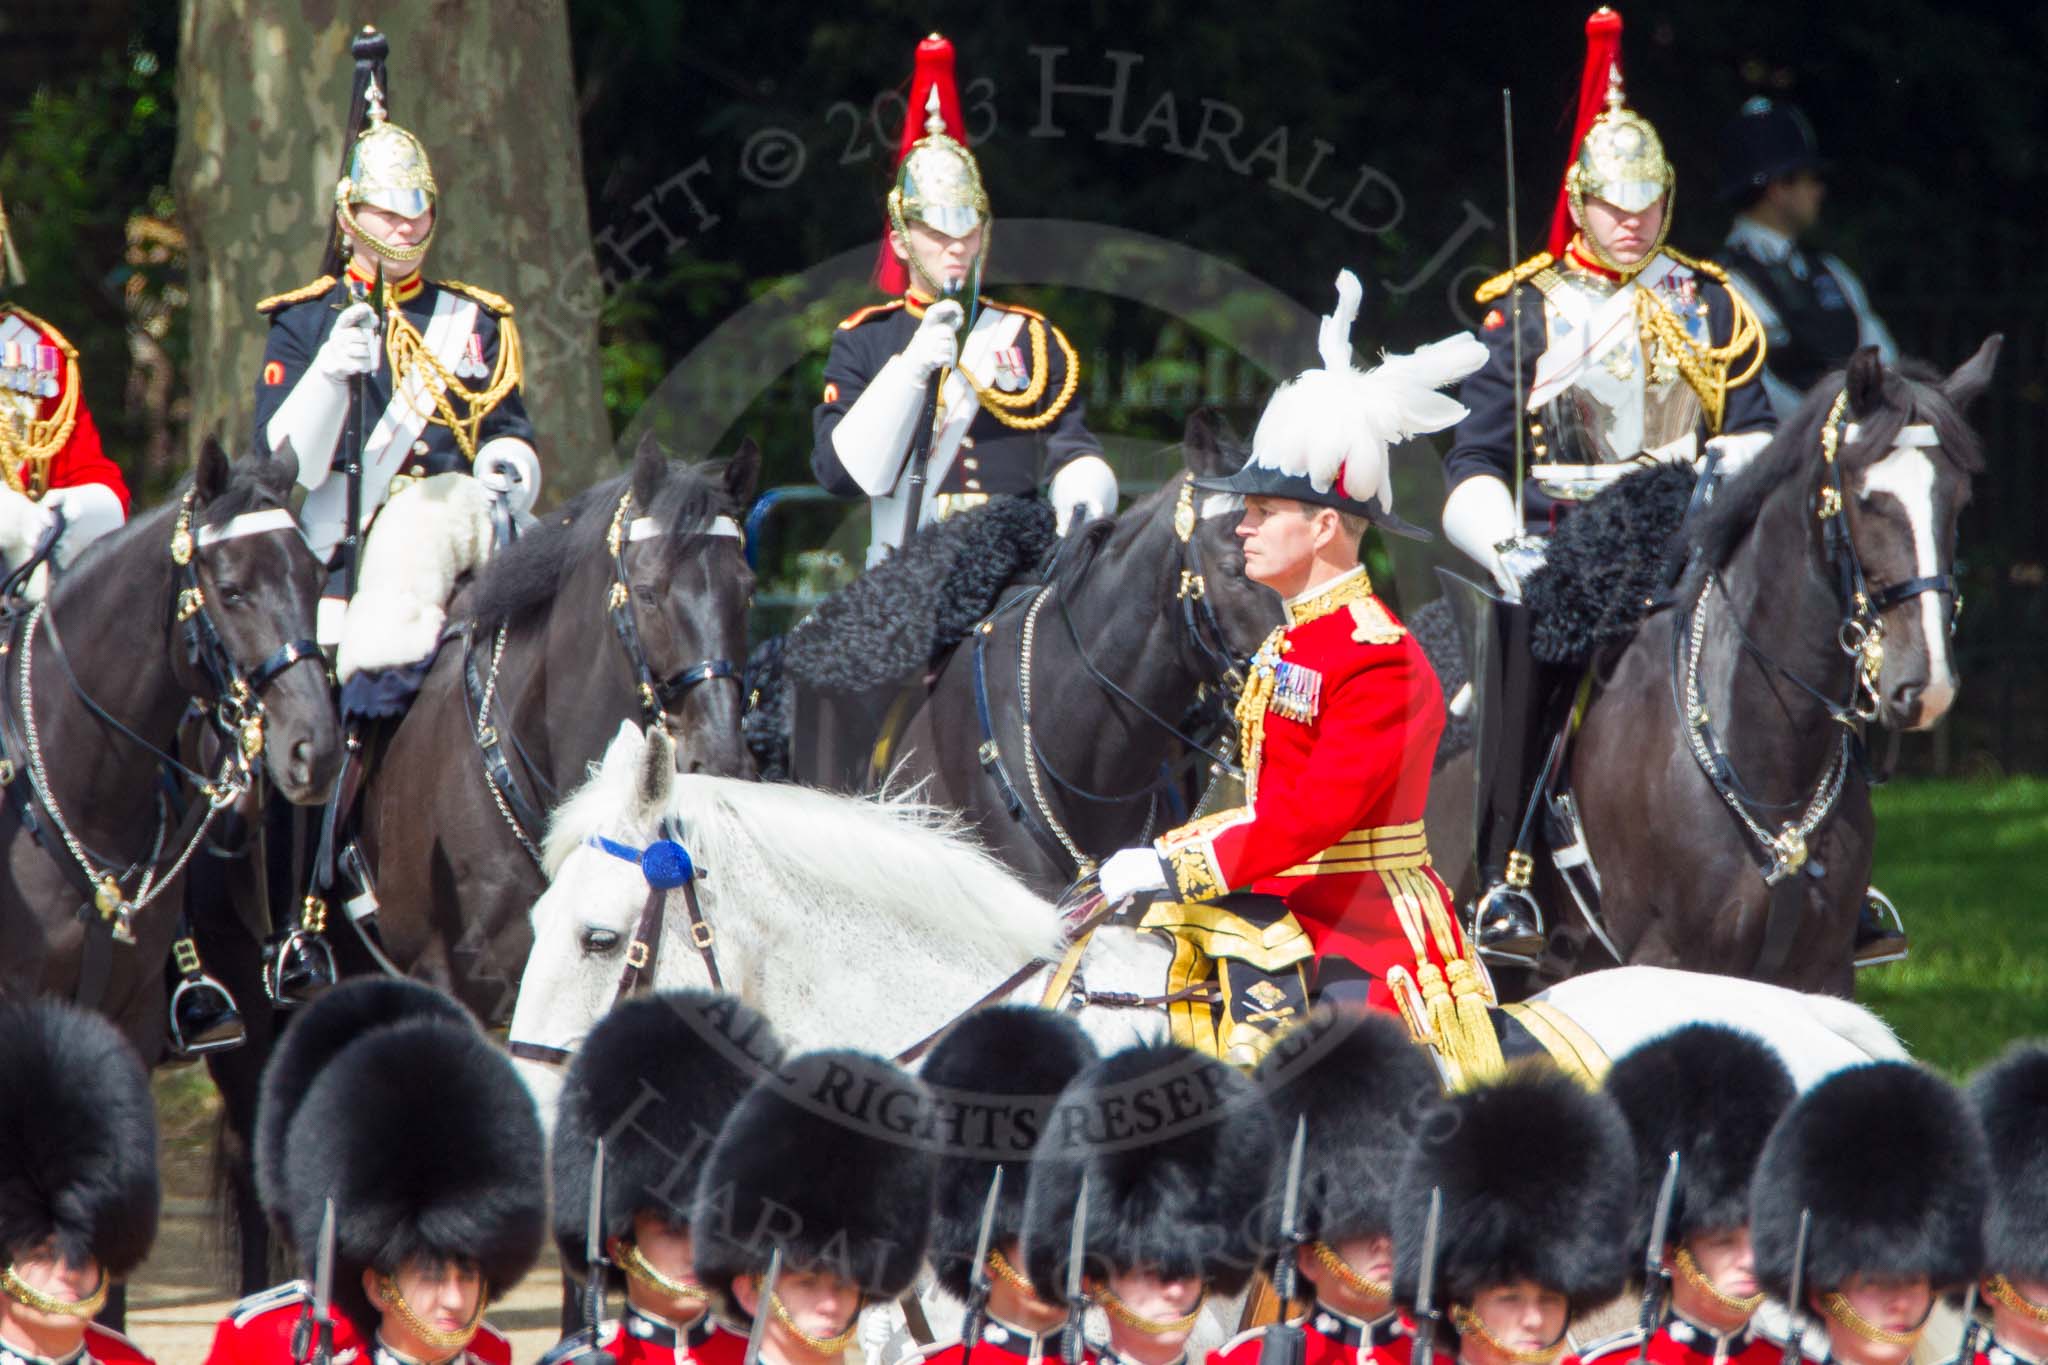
(23,522)
(351,348)
(1129,872)
(1479,516)
(508,467)
(936,343)
(90,511)
(1738,450)
(1086,485)
(1684,450)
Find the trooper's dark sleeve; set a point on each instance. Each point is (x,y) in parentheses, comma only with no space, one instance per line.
(1484,443)
(296,332)
(857,354)
(1748,405)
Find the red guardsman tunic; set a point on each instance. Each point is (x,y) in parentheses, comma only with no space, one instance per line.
(1338,725)
(644,1339)
(1679,1342)
(1002,1344)
(261,1329)
(1331,1338)
(47,436)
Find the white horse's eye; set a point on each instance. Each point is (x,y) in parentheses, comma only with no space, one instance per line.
(597,940)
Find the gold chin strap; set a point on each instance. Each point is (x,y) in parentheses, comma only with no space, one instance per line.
(1837,1306)
(638,1267)
(404,255)
(389,1294)
(1468,1324)
(2000,1288)
(1690,1269)
(21,1291)
(824,1346)
(1348,1276)
(1151,1327)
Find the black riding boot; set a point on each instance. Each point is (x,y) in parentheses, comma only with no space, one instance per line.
(1880,933)
(203,1015)
(298,964)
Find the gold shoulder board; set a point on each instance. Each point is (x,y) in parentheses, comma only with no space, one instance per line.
(1373,624)
(872,310)
(1500,284)
(1707,268)
(1031,313)
(299,295)
(497,303)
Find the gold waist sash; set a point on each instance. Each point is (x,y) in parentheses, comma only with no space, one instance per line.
(1377,848)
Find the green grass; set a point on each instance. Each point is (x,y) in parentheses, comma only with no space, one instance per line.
(1967,864)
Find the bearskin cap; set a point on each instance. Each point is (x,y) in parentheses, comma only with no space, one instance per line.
(1890,1159)
(828,1160)
(1364,1089)
(317,1033)
(1537,1173)
(1180,1153)
(1709,1093)
(994,1080)
(430,1147)
(2011,1097)
(77,1138)
(655,1079)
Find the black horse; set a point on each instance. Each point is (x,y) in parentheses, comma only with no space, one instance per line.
(1819,596)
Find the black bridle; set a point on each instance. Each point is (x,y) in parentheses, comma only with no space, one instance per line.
(657,694)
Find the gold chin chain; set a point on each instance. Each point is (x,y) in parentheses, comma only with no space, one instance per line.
(1000,1267)
(1838,1307)
(1688,1267)
(1468,1324)
(824,1346)
(404,255)
(407,349)
(2000,1288)
(638,1267)
(1151,1327)
(390,1295)
(1347,1275)
(21,1291)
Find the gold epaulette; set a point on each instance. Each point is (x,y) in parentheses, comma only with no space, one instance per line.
(497,303)
(1013,308)
(1501,283)
(1373,624)
(1707,268)
(872,310)
(56,337)
(299,295)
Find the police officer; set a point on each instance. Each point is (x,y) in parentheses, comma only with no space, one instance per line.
(655,1080)
(1536,1173)
(1178,1154)
(51,463)
(1365,1092)
(1321,883)
(1009,412)
(1889,1160)
(2011,1097)
(78,1182)
(1711,1094)
(820,1162)
(1631,354)
(1814,310)
(995,1078)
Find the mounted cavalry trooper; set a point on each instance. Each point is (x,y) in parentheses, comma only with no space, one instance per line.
(1008,411)
(1534,1173)
(1710,1094)
(2011,1098)
(1148,1193)
(403,1161)
(401,399)
(814,1202)
(995,1078)
(1320,885)
(1886,1164)
(1361,1090)
(51,464)
(78,1182)
(654,1082)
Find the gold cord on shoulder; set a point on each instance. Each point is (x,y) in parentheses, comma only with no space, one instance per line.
(1705,368)
(407,349)
(1508,279)
(1004,406)
(27,446)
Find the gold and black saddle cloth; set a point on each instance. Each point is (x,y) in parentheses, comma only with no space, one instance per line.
(1239,977)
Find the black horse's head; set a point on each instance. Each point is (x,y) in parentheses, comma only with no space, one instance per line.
(1245,612)
(259,585)
(1906,472)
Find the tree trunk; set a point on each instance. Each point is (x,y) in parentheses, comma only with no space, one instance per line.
(487,86)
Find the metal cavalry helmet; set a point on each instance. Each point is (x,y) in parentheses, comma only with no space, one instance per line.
(1616,153)
(938,181)
(384,166)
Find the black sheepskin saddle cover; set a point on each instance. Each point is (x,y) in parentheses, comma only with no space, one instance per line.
(1435,629)
(1607,564)
(900,618)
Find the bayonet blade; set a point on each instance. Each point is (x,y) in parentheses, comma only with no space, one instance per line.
(1795,1320)
(323,1263)
(593,1223)
(1660,1221)
(763,1309)
(1077,1243)
(1290,1204)
(978,1275)
(1425,1276)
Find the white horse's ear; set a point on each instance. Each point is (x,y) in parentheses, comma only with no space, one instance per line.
(626,745)
(657,772)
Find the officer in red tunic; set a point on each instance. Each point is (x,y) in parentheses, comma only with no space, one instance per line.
(1363,1089)
(995,1078)
(1176,1152)
(1890,1162)
(1536,1174)
(1321,884)
(50,456)
(821,1163)
(1710,1094)
(2011,1098)
(386,1101)
(78,1182)
(655,1080)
